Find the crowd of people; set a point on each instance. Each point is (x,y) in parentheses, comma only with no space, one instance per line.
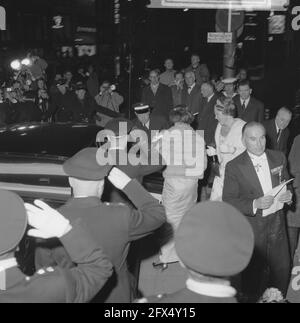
(29,95)
(227,228)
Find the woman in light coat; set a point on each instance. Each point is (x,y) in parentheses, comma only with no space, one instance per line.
(228,141)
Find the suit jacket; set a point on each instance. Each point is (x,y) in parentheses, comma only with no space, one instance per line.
(207,120)
(161,102)
(272,143)
(242,184)
(255,110)
(194,100)
(61,285)
(177,94)
(186,296)
(113,227)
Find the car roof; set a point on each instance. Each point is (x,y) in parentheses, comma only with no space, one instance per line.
(47,139)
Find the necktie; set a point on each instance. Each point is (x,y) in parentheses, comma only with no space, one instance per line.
(244,105)
(279,135)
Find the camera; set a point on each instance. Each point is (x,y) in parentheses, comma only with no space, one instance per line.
(113,87)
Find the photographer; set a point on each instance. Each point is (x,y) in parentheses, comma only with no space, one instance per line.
(108,98)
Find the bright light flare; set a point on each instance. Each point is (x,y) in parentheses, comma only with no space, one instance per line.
(16,65)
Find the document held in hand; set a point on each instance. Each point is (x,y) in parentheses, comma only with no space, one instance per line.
(276,192)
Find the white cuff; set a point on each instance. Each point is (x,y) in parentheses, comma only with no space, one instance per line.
(254,209)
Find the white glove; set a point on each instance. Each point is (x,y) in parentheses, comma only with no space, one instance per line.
(211,151)
(118,178)
(47,222)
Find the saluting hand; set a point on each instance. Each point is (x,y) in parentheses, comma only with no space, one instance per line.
(118,178)
(47,222)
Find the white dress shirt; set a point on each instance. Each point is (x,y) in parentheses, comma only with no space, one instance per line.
(191,88)
(246,102)
(147,125)
(263,172)
(208,99)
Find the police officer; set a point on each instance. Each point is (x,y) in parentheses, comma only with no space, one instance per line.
(78,284)
(114,226)
(214,242)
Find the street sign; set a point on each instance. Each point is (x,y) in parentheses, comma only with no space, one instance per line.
(219,38)
(2,18)
(278,5)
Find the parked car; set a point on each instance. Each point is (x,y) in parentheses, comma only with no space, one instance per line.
(31,159)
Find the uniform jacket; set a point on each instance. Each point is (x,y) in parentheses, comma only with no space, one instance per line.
(114,227)
(157,123)
(161,103)
(77,285)
(255,110)
(272,143)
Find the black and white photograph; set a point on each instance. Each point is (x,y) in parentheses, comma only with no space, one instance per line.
(150,154)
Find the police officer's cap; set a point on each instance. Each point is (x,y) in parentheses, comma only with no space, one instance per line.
(215,239)
(141,108)
(84,166)
(13,221)
(119,127)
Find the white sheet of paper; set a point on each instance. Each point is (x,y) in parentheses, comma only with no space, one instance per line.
(276,192)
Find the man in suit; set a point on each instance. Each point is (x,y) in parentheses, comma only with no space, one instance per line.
(214,242)
(278,133)
(178,89)
(158,96)
(200,70)
(249,109)
(52,285)
(206,118)
(192,96)
(249,180)
(113,226)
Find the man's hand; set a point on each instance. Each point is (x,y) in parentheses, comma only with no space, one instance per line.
(47,222)
(286,197)
(264,203)
(118,178)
